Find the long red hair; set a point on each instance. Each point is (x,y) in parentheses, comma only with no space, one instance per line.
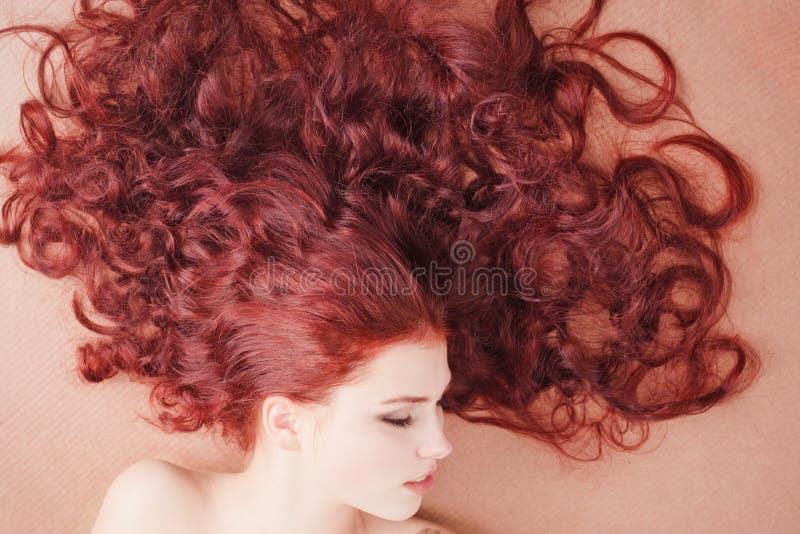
(213,153)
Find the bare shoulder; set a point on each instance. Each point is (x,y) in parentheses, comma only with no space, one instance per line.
(149,496)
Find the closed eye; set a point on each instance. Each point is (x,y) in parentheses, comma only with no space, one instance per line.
(399,422)
(408,420)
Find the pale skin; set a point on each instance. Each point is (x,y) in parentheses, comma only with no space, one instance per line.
(333,469)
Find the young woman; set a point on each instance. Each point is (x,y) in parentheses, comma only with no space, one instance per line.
(346,466)
(314,226)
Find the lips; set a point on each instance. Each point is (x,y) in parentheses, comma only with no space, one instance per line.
(422,477)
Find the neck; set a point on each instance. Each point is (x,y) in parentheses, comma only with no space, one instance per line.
(274,495)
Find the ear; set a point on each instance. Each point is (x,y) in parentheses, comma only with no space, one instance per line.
(280,422)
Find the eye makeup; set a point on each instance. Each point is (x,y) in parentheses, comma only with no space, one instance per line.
(403,423)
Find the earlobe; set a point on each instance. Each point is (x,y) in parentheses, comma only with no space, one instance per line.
(288,440)
(280,423)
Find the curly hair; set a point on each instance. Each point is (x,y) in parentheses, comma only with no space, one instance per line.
(212,149)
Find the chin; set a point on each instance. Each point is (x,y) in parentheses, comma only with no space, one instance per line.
(401,513)
(398,512)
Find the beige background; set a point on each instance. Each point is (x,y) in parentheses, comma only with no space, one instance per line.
(732,469)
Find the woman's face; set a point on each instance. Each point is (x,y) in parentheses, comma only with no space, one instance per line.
(366,448)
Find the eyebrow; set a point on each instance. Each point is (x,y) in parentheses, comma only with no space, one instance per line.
(409,398)
(406,399)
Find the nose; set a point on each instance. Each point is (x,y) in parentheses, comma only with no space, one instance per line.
(436,445)
(443,448)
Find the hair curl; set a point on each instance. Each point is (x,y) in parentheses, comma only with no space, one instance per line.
(211,147)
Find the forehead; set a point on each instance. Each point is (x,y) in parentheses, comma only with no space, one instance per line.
(410,359)
(405,368)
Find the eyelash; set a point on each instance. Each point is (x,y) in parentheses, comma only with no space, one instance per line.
(407,421)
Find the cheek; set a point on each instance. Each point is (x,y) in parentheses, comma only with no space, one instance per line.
(368,455)
(365,465)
